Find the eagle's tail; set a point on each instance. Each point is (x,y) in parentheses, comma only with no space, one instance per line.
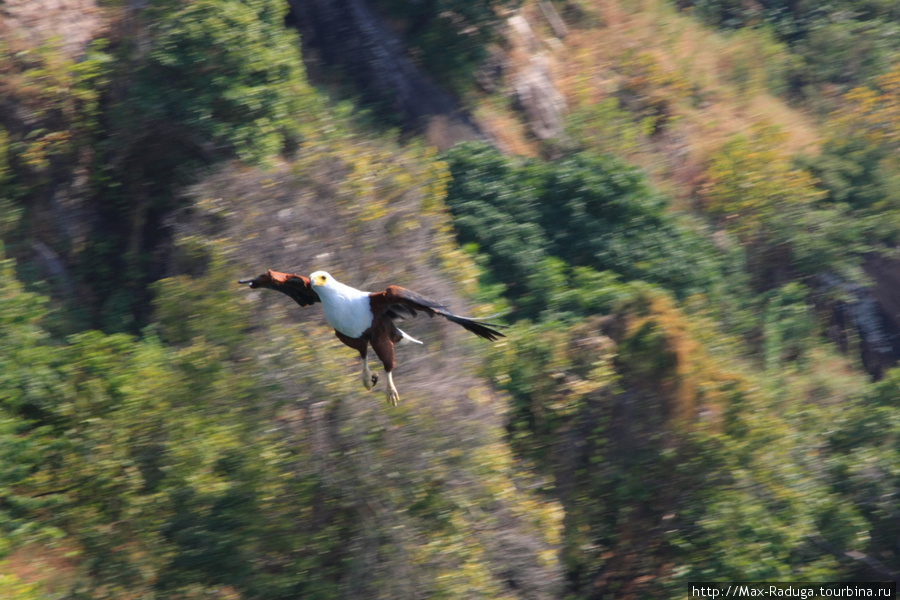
(476,326)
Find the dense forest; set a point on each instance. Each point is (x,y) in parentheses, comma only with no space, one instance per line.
(684,211)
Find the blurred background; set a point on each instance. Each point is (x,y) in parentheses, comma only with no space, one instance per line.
(686,211)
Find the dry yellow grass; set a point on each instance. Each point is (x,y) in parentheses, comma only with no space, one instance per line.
(506,129)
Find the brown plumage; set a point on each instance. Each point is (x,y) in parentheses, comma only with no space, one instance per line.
(361,319)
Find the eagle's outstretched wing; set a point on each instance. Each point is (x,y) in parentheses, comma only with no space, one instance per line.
(295,286)
(399,303)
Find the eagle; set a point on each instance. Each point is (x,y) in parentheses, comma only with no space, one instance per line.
(361,319)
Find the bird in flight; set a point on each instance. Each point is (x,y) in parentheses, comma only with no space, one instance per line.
(361,319)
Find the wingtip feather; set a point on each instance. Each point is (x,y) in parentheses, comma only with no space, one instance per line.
(482,330)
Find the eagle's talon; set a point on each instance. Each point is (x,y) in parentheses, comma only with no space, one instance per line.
(368,381)
(393,398)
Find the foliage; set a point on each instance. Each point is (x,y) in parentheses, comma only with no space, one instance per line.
(160,464)
(873,110)
(793,16)
(223,75)
(594,213)
(10,213)
(58,142)
(110,138)
(849,52)
(842,43)
(772,206)
(13,588)
(496,207)
(605,125)
(863,464)
(601,213)
(674,462)
(621,441)
(649,91)
(857,166)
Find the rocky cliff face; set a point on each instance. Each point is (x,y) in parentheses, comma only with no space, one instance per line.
(871,315)
(535,92)
(885,296)
(57,216)
(348,34)
(72,23)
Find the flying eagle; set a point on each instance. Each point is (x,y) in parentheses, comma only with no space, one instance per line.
(362,318)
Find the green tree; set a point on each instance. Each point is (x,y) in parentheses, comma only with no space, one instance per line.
(221,78)
(857,166)
(496,207)
(862,466)
(595,213)
(836,42)
(756,191)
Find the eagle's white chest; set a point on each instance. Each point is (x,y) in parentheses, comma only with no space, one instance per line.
(347,309)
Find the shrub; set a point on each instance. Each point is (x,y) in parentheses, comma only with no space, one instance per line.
(591,212)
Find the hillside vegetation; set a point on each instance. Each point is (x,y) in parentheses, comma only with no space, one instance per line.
(698,271)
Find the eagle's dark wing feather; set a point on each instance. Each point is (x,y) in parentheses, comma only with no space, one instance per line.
(295,286)
(399,303)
